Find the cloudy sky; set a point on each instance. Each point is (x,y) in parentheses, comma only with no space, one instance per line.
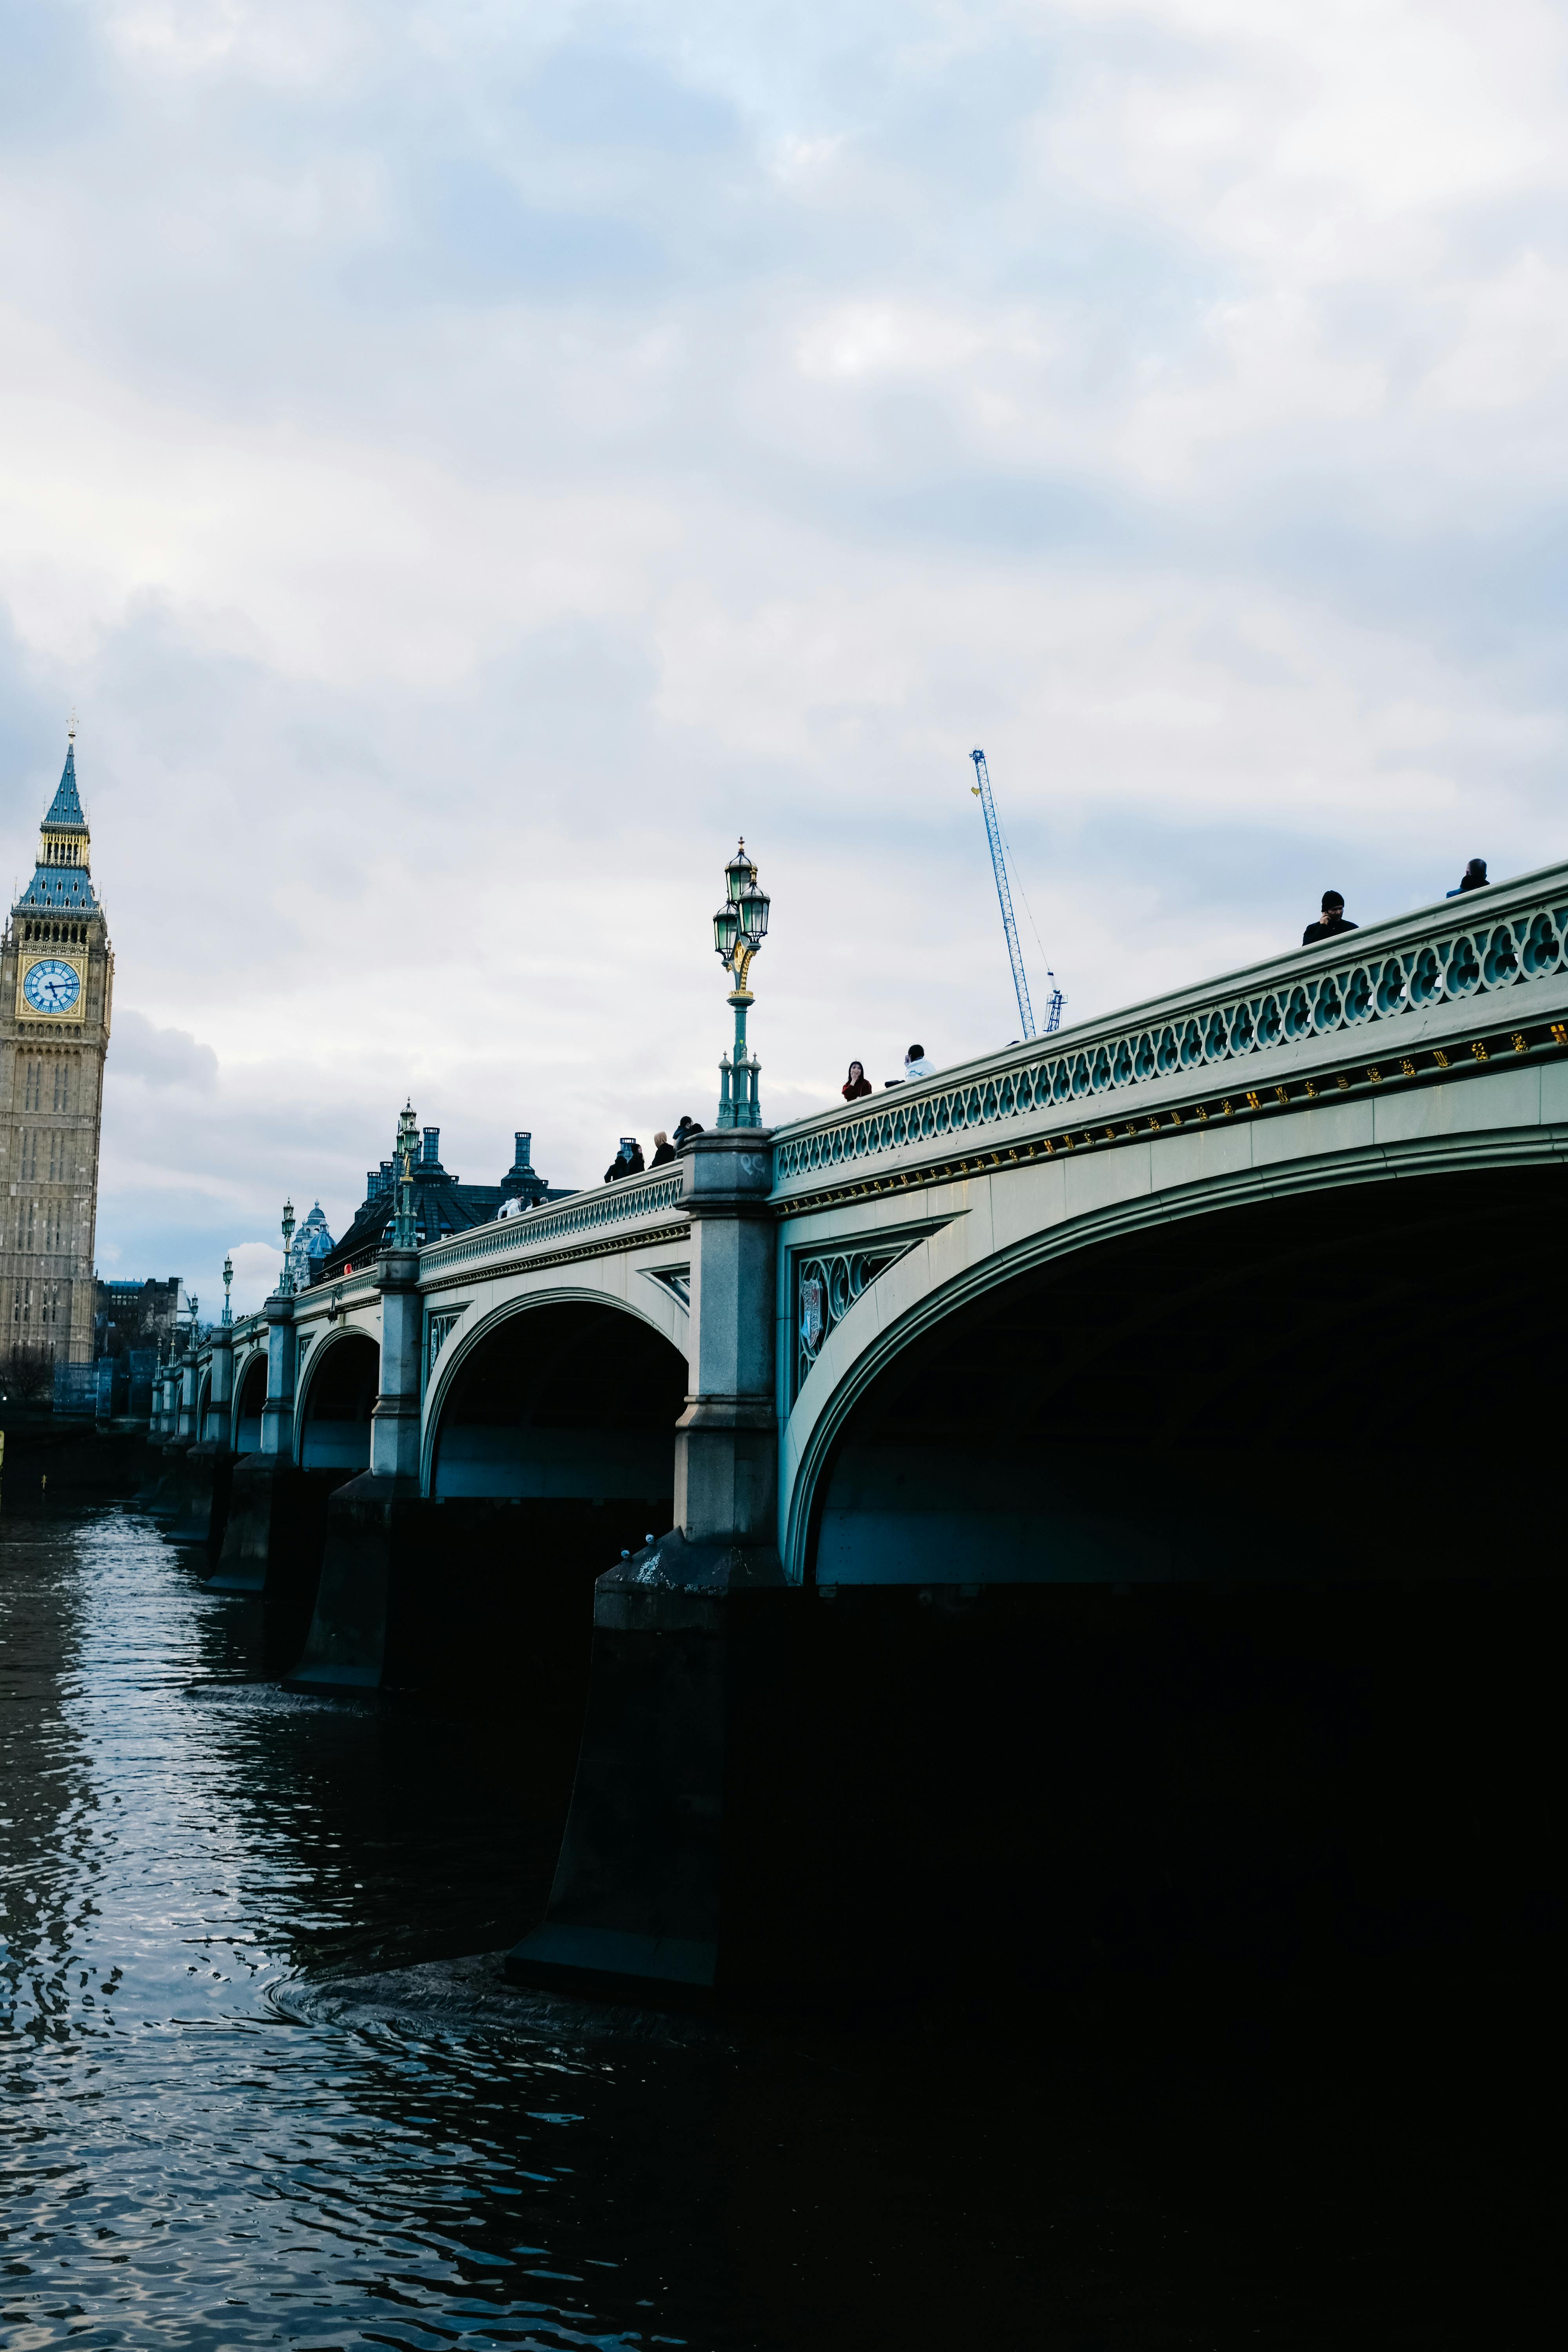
(465,462)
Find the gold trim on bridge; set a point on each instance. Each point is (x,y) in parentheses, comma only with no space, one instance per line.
(1332,1086)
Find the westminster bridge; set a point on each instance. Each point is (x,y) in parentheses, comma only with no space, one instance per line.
(1135,1452)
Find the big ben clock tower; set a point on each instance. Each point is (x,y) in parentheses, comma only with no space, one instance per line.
(56,976)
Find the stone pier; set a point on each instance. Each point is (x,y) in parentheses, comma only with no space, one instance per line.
(377,1528)
(688,1635)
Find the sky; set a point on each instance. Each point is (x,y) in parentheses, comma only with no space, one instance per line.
(465,464)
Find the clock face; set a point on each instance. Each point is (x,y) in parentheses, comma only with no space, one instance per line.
(52,986)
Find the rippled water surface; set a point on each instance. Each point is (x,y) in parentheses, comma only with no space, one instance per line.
(199,2147)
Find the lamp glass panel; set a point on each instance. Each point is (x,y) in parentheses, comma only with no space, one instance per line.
(739,872)
(726,929)
(754,905)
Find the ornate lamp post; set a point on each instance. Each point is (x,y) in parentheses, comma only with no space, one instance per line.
(739,928)
(403,1236)
(228,1285)
(286,1286)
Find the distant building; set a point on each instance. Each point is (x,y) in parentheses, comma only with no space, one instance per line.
(441,1204)
(311,1245)
(136,1314)
(56,978)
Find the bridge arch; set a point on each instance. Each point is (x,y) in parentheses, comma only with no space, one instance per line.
(336,1395)
(249,1396)
(204,1398)
(1128,1395)
(557,1395)
(1217,1565)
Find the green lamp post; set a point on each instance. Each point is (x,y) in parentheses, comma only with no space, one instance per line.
(404,1233)
(739,928)
(286,1286)
(227,1286)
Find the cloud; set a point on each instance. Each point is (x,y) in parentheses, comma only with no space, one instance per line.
(161,1057)
(257,1268)
(467,464)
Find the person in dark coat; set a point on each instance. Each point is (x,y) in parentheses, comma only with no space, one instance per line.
(663,1150)
(1474,877)
(856,1083)
(627,1161)
(1330,924)
(685,1128)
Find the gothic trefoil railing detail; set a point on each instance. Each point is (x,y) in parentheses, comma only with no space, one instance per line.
(438,1329)
(1358,991)
(826,1288)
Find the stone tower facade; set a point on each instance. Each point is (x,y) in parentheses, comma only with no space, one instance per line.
(57,979)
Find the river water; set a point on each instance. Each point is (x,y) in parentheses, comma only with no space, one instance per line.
(255,2091)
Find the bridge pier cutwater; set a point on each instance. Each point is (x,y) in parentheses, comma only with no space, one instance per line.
(209,1465)
(276,1523)
(377,1537)
(1110,1492)
(647,1889)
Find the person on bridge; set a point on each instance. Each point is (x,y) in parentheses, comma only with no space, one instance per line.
(1329,923)
(627,1161)
(856,1083)
(915,1063)
(1474,877)
(663,1150)
(685,1128)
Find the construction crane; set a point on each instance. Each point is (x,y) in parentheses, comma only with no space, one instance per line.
(982,790)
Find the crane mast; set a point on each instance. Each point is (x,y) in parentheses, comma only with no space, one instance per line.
(999,866)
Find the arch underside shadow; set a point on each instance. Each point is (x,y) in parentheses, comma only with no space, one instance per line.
(333,1414)
(249,1396)
(1197,1597)
(559,1401)
(550,1452)
(1291,1386)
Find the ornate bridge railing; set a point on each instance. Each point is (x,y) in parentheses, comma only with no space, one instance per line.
(1484,949)
(634,1198)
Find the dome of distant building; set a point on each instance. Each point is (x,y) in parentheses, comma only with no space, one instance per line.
(311,1245)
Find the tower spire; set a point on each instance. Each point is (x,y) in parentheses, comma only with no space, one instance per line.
(61,882)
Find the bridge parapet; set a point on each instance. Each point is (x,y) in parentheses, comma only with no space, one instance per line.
(616,1218)
(1398,1003)
(344,1290)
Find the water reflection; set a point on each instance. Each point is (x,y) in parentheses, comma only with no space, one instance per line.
(188,1852)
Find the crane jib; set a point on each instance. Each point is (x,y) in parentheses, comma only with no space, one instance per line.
(999,865)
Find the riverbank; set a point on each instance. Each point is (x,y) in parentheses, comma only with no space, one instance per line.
(68,1456)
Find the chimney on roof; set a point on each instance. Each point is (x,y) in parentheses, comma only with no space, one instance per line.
(431,1154)
(520,1182)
